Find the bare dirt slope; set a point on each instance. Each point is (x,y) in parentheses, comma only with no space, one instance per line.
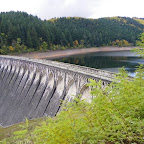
(64,53)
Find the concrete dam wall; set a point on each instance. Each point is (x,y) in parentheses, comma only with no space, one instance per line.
(31,88)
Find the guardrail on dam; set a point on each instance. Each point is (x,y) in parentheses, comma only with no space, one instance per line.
(34,88)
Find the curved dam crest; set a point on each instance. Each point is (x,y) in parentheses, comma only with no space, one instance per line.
(35,88)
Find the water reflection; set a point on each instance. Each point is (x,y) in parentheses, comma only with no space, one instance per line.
(109,63)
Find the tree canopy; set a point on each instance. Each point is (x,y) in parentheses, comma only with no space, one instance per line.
(61,33)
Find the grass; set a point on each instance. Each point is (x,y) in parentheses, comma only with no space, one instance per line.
(139,20)
(7,133)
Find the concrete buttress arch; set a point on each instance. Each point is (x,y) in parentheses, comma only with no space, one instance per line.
(35,88)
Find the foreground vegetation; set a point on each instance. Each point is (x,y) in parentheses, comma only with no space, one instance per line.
(115,115)
(20,32)
(8,131)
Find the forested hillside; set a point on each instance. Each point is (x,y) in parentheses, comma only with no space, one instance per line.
(20,32)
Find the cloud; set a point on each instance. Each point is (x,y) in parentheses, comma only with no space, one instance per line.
(47,9)
(29,6)
(129,8)
(66,8)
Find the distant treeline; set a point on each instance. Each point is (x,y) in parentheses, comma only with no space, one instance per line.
(21,32)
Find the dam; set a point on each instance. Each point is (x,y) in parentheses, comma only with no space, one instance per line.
(31,88)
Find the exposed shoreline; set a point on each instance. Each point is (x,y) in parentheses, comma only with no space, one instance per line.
(69,52)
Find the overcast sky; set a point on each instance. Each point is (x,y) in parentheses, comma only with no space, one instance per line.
(47,9)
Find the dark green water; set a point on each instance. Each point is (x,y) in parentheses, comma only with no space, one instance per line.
(106,61)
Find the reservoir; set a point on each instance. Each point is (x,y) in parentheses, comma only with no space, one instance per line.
(109,61)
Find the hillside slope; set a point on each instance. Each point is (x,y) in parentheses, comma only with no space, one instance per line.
(64,32)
